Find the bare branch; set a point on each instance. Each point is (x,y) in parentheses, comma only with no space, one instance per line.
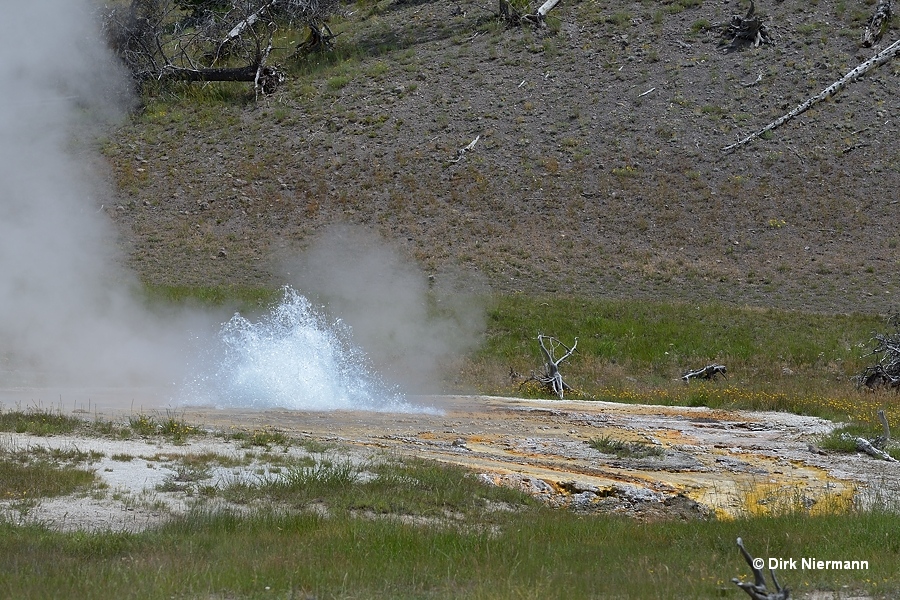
(758,590)
(552,379)
(206,40)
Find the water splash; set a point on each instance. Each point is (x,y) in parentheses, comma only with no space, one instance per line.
(292,358)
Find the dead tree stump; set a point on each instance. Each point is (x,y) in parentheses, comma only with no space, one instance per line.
(748,30)
(758,590)
(878,23)
(552,379)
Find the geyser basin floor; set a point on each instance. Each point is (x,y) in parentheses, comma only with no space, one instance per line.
(733,462)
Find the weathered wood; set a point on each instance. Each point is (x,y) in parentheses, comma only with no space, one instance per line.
(748,30)
(552,378)
(462,151)
(857,72)
(758,590)
(547,7)
(878,23)
(515,16)
(883,440)
(708,372)
(864,445)
(874,447)
(886,372)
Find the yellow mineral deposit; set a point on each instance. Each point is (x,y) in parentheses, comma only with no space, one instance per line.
(732,463)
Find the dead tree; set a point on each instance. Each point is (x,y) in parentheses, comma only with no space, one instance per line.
(552,379)
(886,371)
(209,40)
(748,30)
(157,41)
(758,590)
(708,372)
(854,74)
(878,23)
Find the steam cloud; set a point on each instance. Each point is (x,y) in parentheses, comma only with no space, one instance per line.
(408,333)
(67,316)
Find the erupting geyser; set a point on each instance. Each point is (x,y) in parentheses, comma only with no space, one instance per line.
(294,359)
(73,322)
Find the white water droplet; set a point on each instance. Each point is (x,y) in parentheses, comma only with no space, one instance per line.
(294,359)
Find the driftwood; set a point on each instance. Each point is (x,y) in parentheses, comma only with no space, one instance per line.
(758,590)
(860,70)
(748,30)
(878,23)
(552,379)
(864,445)
(874,447)
(708,372)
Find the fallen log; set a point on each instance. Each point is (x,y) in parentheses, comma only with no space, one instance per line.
(267,79)
(857,72)
(874,447)
(864,445)
(708,372)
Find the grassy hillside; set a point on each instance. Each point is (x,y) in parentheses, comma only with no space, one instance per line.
(597,171)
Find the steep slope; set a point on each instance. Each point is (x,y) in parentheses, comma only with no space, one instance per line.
(597,169)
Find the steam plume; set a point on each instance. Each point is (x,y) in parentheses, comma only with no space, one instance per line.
(410,329)
(68,316)
(66,310)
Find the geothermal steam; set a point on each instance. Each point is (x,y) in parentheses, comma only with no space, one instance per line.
(68,316)
(412,327)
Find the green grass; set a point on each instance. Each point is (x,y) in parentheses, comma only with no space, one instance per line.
(636,352)
(652,333)
(37,422)
(245,299)
(534,553)
(624,449)
(265,438)
(27,475)
(171,426)
(408,487)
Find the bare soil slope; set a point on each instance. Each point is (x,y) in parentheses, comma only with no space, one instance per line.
(597,170)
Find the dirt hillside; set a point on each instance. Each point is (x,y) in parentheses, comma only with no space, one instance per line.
(597,169)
